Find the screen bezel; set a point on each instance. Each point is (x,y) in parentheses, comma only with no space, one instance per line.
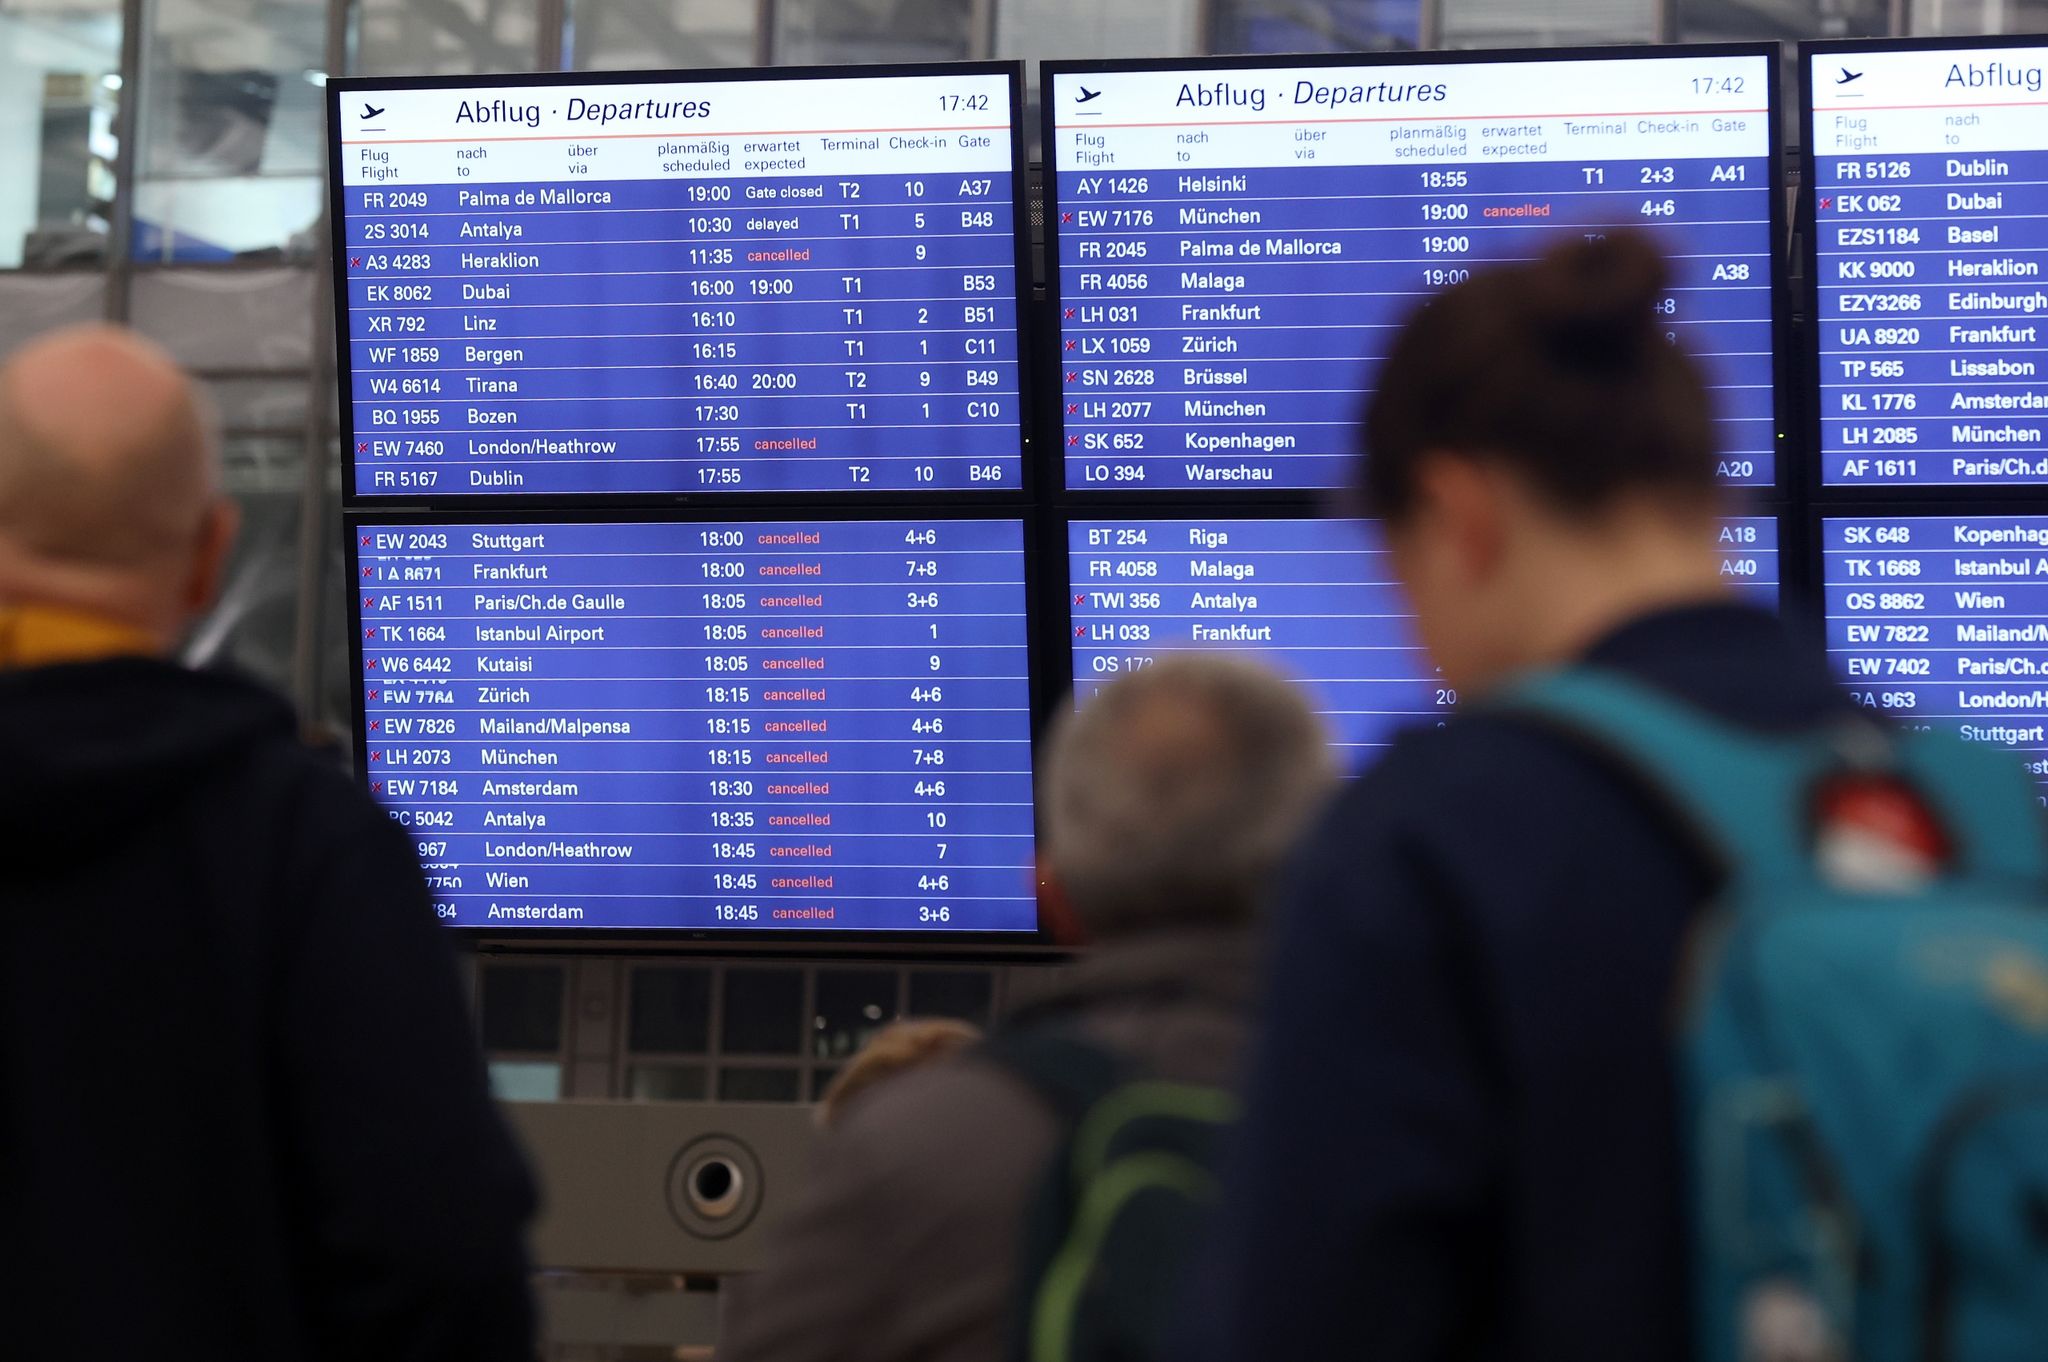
(355,498)
(809,939)
(1819,494)
(1052,416)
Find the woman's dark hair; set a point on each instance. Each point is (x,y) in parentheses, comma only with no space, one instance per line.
(1559,368)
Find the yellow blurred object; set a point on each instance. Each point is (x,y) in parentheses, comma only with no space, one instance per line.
(42,636)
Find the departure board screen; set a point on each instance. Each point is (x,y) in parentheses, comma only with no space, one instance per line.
(1317,598)
(1943,620)
(803,724)
(1238,243)
(1929,190)
(680,285)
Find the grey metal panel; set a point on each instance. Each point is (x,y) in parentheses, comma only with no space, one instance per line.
(550,23)
(32,303)
(127,158)
(613,1178)
(596,1015)
(626,1312)
(214,317)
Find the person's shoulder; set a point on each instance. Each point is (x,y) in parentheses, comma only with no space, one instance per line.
(312,820)
(966,1113)
(968,1087)
(238,738)
(1473,760)
(1485,806)
(311,789)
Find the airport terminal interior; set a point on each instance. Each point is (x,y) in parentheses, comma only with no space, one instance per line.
(980,328)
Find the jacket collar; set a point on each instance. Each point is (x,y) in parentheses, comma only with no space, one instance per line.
(45,635)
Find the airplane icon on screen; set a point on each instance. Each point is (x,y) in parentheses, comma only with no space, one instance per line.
(370,110)
(1087,94)
(1848,76)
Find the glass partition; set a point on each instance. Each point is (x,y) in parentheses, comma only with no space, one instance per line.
(445,38)
(1548,23)
(1962,17)
(1038,30)
(1715,21)
(232,151)
(619,35)
(31,304)
(230,320)
(813,32)
(60,84)
(1315,25)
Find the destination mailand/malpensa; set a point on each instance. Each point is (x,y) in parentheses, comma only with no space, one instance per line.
(670,713)
(1943,620)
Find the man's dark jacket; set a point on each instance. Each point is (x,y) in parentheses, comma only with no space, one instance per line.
(1461,1138)
(242,1114)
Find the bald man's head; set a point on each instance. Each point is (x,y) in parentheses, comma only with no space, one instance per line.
(110,494)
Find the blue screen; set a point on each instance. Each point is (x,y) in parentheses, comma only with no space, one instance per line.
(811,724)
(1930,203)
(1316,598)
(1943,620)
(678,287)
(1236,247)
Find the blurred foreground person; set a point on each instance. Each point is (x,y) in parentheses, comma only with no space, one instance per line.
(1463,1133)
(895,1049)
(1167,801)
(242,1111)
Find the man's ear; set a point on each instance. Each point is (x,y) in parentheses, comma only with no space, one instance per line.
(1055,910)
(210,556)
(1461,504)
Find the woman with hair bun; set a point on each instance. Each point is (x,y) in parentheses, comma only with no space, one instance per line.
(1461,1137)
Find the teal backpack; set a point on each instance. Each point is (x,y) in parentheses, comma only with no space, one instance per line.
(1122,1204)
(1865,1073)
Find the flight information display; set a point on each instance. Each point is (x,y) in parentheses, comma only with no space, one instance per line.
(680,285)
(1943,620)
(1317,598)
(750,725)
(1237,244)
(1929,187)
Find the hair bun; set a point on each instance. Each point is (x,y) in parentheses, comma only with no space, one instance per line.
(1597,306)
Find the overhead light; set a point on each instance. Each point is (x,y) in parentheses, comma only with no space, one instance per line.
(111,81)
(316,78)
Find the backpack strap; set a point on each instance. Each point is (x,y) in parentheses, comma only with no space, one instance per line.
(1738,793)
(1992,809)
(1094,1091)
(1743,794)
